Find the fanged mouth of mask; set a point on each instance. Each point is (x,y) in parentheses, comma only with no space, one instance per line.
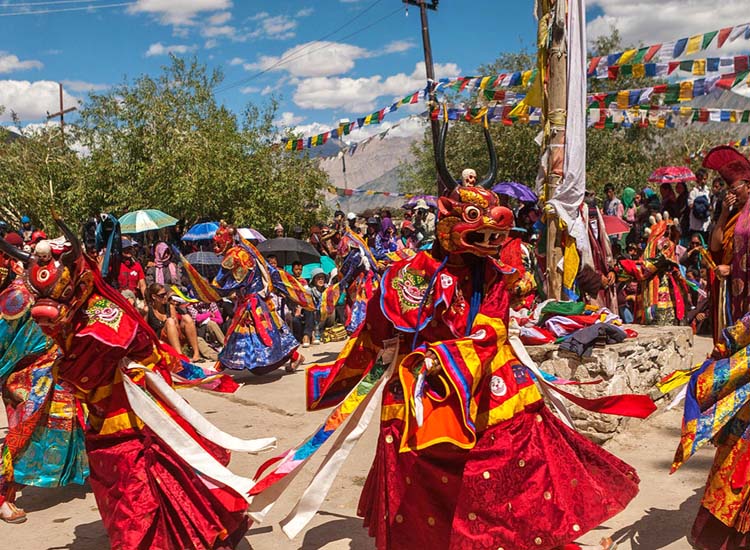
(484,238)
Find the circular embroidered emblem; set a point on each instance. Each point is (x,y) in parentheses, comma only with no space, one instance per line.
(498,386)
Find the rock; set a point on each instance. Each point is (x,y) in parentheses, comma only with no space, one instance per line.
(634,366)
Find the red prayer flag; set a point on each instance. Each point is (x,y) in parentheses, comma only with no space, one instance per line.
(612,71)
(593,64)
(740,63)
(672,66)
(723,35)
(652,51)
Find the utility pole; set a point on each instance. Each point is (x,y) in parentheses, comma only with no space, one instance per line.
(61,114)
(430,70)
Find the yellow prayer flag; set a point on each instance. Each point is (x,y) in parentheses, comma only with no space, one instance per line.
(686,90)
(694,44)
(534,96)
(288,145)
(626,56)
(520,110)
(525,78)
(639,70)
(661,123)
(623,98)
(732,116)
(686,111)
(571,263)
(483,83)
(699,67)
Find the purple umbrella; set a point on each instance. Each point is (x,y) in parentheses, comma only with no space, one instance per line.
(431,201)
(516,190)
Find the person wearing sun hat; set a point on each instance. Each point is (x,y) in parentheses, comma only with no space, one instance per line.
(424,223)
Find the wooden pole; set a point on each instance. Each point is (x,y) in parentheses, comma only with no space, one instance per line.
(554,111)
(61,114)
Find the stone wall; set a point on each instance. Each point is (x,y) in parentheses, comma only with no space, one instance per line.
(631,367)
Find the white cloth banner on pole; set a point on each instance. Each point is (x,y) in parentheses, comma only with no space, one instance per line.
(570,191)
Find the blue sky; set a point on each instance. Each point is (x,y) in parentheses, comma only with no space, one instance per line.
(375,57)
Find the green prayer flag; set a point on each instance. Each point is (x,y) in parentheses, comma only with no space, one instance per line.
(745,116)
(638,57)
(626,70)
(673,94)
(707,39)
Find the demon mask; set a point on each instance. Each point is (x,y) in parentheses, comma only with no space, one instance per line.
(471,221)
(58,276)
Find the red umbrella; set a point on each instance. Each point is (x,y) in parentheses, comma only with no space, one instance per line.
(672,174)
(615,226)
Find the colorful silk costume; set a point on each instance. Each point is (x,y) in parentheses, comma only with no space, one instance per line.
(468,454)
(663,296)
(44,445)
(158,469)
(717,410)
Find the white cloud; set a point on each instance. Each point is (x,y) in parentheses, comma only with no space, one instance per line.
(313,59)
(179,13)
(160,49)
(210,44)
(236,61)
(312,129)
(10,63)
(32,100)
(222,30)
(277,27)
(361,94)
(305,12)
(220,18)
(267,90)
(398,46)
(81,86)
(288,119)
(657,21)
(250,90)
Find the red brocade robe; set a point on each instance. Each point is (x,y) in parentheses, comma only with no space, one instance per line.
(490,466)
(148,496)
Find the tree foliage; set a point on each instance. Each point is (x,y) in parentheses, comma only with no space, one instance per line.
(165,142)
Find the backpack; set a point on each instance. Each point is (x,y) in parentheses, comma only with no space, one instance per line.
(701,207)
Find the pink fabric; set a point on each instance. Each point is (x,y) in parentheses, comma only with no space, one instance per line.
(162,259)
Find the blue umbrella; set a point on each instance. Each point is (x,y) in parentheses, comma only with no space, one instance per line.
(201,232)
(516,190)
(326,264)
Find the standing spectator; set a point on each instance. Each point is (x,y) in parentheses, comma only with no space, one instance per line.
(351,220)
(699,203)
(303,321)
(718,193)
(692,259)
(682,210)
(668,200)
(386,239)
(612,205)
(27,230)
(407,236)
(373,226)
(317,287)
(278,231)
(131,273)
(164,269)
(629,204)
(424,223)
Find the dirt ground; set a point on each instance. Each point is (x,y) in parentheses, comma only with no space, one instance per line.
(659,518)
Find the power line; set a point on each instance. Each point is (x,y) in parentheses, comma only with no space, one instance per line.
(61,10)
(300,53)
(31,4)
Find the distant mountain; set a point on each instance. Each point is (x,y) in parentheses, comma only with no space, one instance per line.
(372,167)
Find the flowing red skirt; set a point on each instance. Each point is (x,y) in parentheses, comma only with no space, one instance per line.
(150,498)
(711,534)
(530,482)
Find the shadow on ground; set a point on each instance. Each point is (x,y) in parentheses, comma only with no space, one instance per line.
(659,528)
(33,499)
(88,536)
(345,527)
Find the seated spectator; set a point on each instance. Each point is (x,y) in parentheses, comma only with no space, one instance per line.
(138,304)
(208,315)
(169,323)
(407,239)
(302,320)
(692,258)
(165,270)
(385,240)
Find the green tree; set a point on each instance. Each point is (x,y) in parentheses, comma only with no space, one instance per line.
(165,142)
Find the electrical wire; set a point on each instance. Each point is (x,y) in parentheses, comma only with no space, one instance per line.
(32,4)
(61,10)
(298,54)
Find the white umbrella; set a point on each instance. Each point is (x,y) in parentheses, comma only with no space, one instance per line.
(145,220)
